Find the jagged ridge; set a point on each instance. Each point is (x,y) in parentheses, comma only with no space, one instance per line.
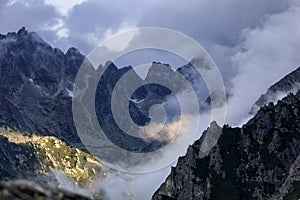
(258,161)
(289,83)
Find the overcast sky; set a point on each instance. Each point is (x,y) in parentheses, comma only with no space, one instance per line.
(227,29)
(253,42)
(216,24)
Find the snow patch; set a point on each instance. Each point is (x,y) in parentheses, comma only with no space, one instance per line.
(136,101)
(70,93)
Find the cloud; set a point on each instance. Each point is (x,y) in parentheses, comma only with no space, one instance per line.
(84,23)
(18,14)
(132,186)
(57,26)
(216,24)
(267,53)
(93,21)
(33,14)
(123,42)
(213,21)
(63,7)
(173,130)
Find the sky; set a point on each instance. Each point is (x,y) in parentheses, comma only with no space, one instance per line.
(253,42)
(217,24)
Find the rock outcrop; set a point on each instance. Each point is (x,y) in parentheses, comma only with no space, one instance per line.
(289,83)
(23,190)
(260,160)
(38,157)
(36,90)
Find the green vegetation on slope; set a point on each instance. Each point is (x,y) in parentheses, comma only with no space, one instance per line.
(55,155)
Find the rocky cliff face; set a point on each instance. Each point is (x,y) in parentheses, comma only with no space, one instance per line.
(17,161)
(39,156)
(289,83)
(36,99)
(257,161)
(37,83)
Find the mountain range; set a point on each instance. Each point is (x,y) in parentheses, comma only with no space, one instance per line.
(259,160)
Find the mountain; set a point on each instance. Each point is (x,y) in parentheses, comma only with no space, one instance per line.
(38,158)
(17,161)
(36,84)
(260,160)
(36,91)
(289,83)
(23,190)
(37,133)
(38,136)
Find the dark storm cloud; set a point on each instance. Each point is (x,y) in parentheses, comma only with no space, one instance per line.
(212,21)
(216,24)
(93,20)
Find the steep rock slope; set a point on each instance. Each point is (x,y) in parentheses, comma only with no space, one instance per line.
(38,157)
(261,160)
(37,83)
(289,83)
(17,161)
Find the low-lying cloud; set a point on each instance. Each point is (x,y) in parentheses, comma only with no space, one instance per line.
(169,132)
(267,53)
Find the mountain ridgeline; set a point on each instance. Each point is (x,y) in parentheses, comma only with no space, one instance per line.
(37,83)
(260,160)
(289,83)
(36,87)
(38,137)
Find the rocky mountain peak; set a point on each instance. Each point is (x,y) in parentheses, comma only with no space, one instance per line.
(73,52)
(260,160)
(22,31)
(289,83)
(22,38)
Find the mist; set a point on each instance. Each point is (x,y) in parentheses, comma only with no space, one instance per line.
(267,53)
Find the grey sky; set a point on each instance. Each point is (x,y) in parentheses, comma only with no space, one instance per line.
(216,24)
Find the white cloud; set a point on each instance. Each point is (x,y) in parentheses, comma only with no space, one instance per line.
(24,2)
(267,54)
(99,35)
(124,40)
(63,7)
(216,24)
(57,26)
